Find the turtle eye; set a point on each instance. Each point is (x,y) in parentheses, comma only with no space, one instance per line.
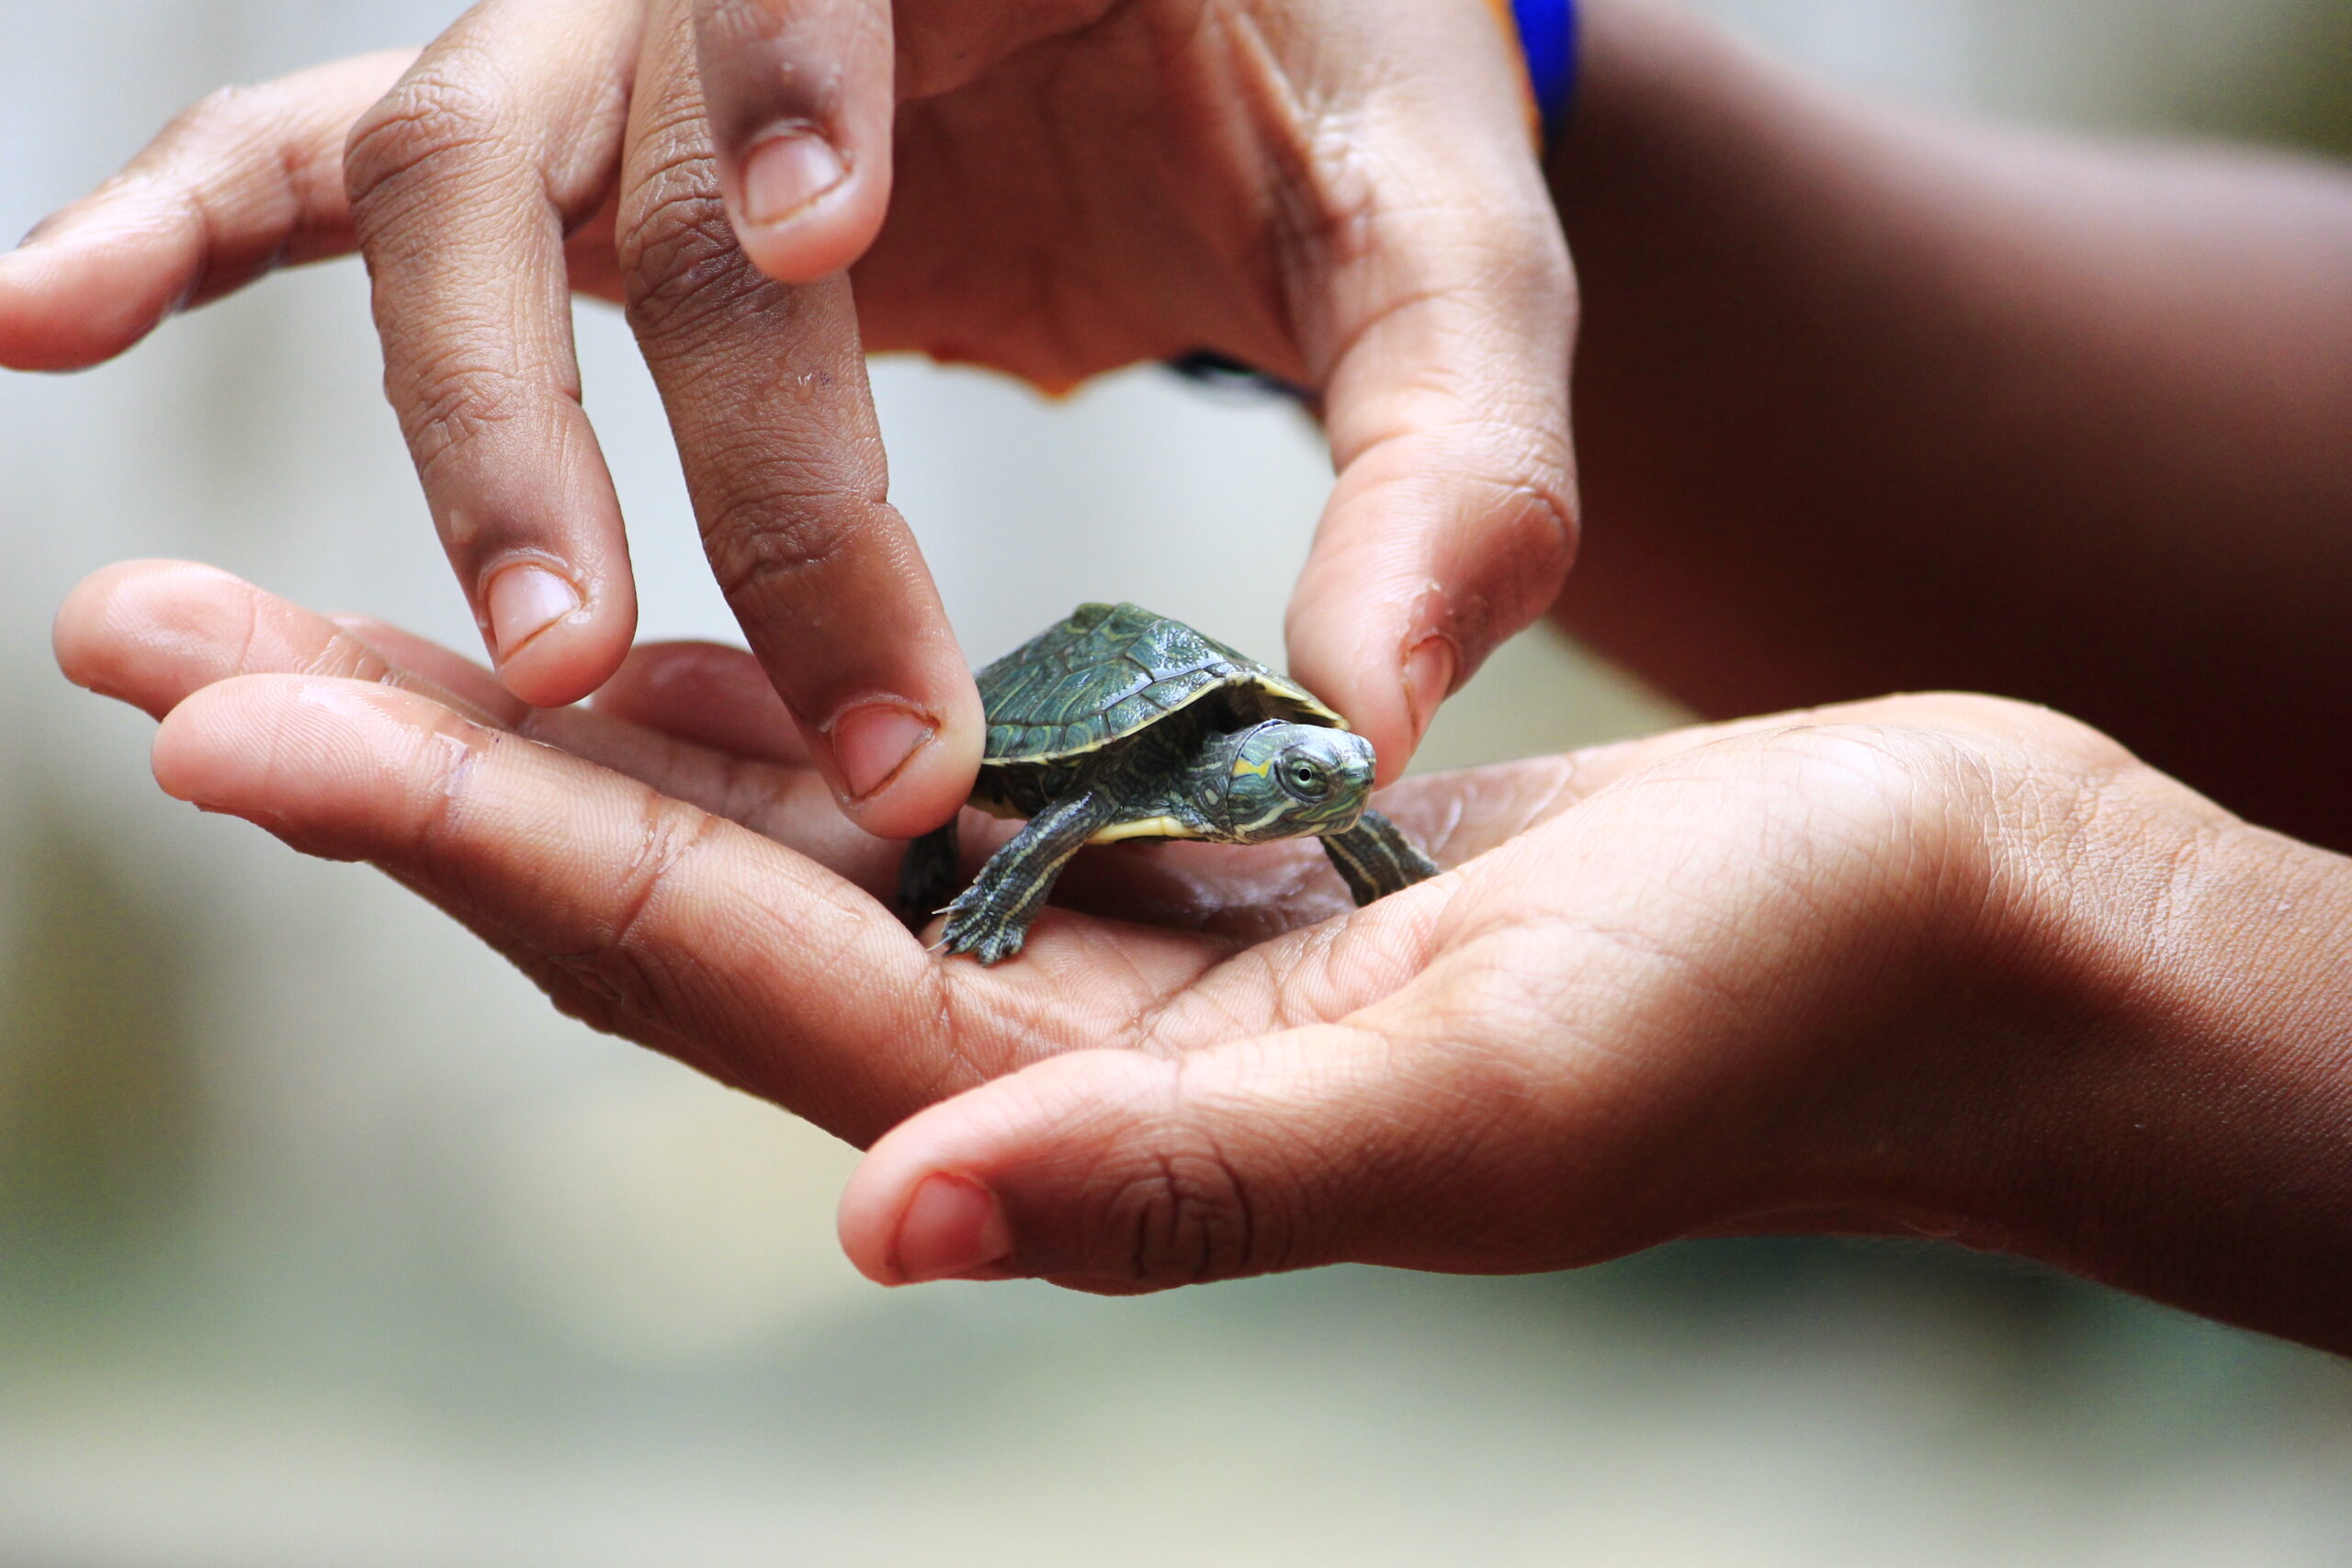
(1305,778)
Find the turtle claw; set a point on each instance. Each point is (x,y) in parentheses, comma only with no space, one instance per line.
(989,919)
(989,937)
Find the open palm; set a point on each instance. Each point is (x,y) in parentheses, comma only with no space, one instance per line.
(1656,993)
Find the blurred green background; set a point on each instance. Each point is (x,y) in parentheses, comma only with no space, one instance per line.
(322,1241)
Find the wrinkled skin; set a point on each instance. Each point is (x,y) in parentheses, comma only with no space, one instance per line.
(1055,188)
(1874,402)
(1829,970)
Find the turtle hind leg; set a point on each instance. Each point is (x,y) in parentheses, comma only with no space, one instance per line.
(989,919)
(1376,859)
(927,875)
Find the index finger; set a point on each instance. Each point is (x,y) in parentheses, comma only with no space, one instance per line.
(247,180)
(767,391)
(641,914)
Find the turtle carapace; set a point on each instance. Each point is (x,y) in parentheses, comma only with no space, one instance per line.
(1121,724)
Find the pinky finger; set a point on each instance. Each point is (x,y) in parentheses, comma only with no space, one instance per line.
(249,179)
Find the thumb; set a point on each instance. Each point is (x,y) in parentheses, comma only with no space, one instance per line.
(1439,333)
(1122,1172)
(802,96)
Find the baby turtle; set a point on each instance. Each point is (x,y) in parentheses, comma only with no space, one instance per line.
(1121,724)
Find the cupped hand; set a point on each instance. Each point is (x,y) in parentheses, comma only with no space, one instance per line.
(1342,192)
(1800,971)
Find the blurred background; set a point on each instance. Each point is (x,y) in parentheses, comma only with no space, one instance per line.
(323,1241)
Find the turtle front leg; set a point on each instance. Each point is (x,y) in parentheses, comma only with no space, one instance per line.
(1376,859)
(989,919)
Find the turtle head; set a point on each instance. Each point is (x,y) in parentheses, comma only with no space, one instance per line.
(1294,781)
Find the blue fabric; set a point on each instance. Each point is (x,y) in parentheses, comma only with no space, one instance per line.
(1547,37)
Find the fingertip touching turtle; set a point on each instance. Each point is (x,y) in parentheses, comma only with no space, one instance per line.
(1120,724)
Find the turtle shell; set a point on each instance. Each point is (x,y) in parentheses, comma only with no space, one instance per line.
(1112,670)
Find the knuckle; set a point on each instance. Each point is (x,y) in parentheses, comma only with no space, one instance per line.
(1837,801)
(452,401)
(2035,723)
(234,140)
(1877,772)
(1188,1220)
(1915,813)
(2022,728)
(1518,521)
(1516,247)
(1534,510)
(679,255)
(621,971)
(1329,203)
(766,550)
(227,113)
(2037,773)
(432,127)
(1182,1208)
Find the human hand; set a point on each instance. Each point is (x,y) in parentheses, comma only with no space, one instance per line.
(1342,193)
(1934,964)
(538,147)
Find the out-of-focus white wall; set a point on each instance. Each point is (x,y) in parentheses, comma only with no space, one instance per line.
(367,1257)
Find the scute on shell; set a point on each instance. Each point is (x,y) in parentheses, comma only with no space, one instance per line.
(1110,671)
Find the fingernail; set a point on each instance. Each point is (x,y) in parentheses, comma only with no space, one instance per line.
(524,600)
(1428,680)
(872,743)
(786,172)
(952,1229)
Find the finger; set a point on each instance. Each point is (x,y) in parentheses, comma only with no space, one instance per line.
(711,695)
(450,671)
(1583,1010)
(638,913)
(1256,893)
(801,101)
(767,391)
(151,632)
(1441,334)
(249,179)
(463,182)
(707,694)
(1366,1141)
